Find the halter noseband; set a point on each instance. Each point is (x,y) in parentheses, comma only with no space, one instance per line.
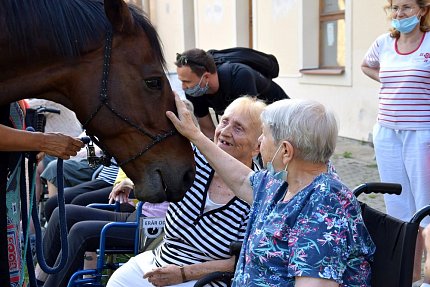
(104,102)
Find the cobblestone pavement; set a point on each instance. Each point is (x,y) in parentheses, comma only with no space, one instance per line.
(355,163)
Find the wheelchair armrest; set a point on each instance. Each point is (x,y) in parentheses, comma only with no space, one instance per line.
(225,277)
(105,229)
(77,278)
(235,248)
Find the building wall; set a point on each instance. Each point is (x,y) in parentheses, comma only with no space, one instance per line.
(289,30)
(221,23)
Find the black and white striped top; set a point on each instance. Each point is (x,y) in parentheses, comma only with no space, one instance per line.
(192,235)
(108,173)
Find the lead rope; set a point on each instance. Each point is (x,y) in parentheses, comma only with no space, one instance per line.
(63,227)
(63,224)
(33,213)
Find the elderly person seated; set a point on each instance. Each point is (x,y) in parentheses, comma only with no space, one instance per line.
(200,228)
(84,225)
(305,228)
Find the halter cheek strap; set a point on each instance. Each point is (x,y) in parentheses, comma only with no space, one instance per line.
(105,103)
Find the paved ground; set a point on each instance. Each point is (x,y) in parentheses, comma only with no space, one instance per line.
(355,163)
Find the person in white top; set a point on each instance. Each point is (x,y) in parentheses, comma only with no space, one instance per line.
(400,61)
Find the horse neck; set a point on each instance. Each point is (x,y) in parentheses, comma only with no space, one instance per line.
(45,78)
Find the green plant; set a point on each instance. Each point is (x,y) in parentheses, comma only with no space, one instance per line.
(347,154)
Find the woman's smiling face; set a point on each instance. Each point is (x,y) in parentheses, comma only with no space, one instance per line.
(237,134)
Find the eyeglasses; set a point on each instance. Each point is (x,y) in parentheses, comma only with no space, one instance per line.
(406,9)
(184,60)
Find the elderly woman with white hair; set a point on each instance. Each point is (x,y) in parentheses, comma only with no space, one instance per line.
(200,227)
(305,226)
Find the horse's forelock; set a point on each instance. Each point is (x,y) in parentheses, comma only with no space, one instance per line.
(69,26)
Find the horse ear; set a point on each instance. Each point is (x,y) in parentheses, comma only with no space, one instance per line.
(119,15)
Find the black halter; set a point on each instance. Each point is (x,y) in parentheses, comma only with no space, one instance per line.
(104,102)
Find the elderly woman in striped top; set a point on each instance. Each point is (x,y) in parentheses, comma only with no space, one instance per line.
(400,61)
(200,228)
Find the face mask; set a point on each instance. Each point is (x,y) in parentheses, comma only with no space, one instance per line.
(280,175)
(197,91)
(405,25)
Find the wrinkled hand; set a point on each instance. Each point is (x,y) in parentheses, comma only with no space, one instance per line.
(184,121)
(164,276)
(60,145)
(121,191)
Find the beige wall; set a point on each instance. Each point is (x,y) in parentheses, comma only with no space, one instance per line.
(221,23)
(174,21)
(352,95)
(287,29)
(276,28)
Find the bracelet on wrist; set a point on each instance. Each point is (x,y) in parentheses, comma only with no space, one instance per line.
(184,278)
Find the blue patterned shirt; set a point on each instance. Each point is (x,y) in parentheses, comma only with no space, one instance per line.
(318,233)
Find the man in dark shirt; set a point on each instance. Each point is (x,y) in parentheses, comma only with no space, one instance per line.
(209,86)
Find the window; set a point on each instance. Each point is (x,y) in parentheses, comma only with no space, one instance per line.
(332,33)
(328,33)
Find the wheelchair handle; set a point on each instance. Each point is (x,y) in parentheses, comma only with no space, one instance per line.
(378,187)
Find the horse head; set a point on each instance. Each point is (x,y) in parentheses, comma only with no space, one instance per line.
(146,145)
(117,86)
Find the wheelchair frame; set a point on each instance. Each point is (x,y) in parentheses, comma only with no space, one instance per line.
(77,279)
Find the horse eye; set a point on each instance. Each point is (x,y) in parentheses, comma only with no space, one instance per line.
(153,83)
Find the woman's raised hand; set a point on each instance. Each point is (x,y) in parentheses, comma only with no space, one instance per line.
(184,121)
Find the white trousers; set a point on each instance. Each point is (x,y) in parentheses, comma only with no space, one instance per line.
(131,273)
(403,156)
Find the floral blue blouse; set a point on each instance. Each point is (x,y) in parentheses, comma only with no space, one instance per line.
(318,233)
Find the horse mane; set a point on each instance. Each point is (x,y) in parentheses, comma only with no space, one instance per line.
(69,27)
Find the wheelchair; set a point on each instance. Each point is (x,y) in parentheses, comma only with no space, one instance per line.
(395,241)
(148,234)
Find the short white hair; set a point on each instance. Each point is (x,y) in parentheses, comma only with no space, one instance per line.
(250,106)
(308,125)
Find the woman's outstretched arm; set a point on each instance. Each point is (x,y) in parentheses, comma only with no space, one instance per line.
(234,173)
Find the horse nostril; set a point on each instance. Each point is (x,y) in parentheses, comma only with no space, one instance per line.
(188,178)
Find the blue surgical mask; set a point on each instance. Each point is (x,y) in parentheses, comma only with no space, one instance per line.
(405,25)
(279,175)
(197,91)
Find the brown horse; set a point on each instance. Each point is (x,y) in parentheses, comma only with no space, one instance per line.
(104,62)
